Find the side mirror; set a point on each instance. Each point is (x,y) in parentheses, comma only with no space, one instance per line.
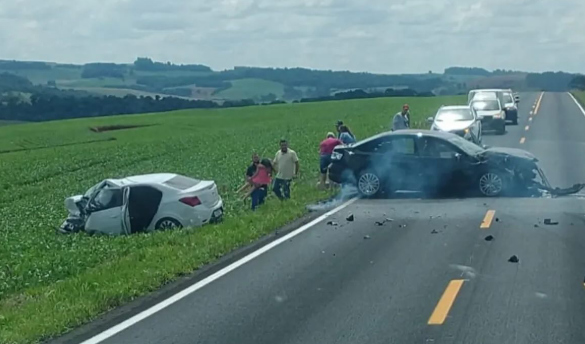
(430,120)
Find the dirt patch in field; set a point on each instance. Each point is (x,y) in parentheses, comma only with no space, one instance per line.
(104,128)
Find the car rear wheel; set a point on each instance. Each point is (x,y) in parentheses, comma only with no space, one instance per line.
(491,184)
(167,224)
(369,183)
(502,129)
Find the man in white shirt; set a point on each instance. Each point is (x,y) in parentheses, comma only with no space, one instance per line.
(286,164)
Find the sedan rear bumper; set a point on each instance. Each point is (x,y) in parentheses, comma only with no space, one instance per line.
(491,123)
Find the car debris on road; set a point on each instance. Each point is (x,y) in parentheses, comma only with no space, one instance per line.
(514,259)
(550,222)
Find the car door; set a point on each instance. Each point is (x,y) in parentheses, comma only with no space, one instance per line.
(126,222)
(400,161)
(476,127)
(440,160)
(106,212)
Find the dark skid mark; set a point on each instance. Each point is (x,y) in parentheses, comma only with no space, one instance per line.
(102,129)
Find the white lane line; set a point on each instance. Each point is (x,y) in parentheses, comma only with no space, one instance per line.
(577,102)
(165,303)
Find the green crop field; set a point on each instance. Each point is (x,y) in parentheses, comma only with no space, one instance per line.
(50,283)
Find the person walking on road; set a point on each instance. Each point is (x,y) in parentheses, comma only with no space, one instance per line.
(286,165)
(326,149)
(402,119)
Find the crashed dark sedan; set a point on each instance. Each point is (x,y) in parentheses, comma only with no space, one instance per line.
(438,163)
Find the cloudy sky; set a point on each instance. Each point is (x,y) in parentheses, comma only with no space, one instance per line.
(388,36)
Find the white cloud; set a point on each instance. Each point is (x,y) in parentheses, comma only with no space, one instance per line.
(378,35)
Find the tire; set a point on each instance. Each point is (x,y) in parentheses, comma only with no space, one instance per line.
(491,183)
(368,183)
(502,129)
(515,121)
(167,223)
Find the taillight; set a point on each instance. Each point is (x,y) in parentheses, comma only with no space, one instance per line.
(191,201)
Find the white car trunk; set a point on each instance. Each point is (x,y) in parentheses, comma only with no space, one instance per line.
(206,191)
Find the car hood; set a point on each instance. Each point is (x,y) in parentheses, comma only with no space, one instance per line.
(452,125)
(71,204)
(482,113)
(512,152)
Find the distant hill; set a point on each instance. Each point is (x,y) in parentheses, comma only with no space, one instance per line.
(39,91)
(194,81)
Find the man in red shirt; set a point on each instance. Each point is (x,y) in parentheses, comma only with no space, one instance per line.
(326,149)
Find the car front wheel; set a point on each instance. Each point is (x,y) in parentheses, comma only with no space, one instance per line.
(369,183)
(491,183)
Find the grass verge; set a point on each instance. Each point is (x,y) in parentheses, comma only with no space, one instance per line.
(45,312)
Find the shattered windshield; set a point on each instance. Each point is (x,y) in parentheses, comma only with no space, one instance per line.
(92,190)
(463,114)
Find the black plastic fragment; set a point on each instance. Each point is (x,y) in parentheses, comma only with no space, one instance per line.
(513,259)
(550,222)
(489,238)
(350,218)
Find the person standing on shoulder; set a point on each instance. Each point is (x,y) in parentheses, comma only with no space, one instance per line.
(252,168)
(345,135)
(286,165)
(339,125)
(401,120)
(326,149)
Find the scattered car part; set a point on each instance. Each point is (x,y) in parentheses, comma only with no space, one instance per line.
(513,259)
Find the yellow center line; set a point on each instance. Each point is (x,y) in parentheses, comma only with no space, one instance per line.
(488,218)
(527,127)
(538,103)
(442,309)
(522,140)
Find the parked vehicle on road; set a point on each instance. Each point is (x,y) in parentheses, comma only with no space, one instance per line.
(510,107)
(143,203)
(460,120)
(436,163)
(491,113)
(505,96)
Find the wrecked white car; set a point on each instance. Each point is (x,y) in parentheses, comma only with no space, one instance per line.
(143,203)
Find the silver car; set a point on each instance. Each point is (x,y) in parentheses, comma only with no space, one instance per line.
(461,120)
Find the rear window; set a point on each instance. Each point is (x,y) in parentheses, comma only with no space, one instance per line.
(181,182)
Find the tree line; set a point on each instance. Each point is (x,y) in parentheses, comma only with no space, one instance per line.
(45,104)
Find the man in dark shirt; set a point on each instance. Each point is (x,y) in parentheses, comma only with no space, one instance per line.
(252,168)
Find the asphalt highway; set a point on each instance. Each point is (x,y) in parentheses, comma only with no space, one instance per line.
(425,274)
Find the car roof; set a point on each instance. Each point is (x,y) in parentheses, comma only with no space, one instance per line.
(453,107)
(491,90)
(408,132)
(153,178)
